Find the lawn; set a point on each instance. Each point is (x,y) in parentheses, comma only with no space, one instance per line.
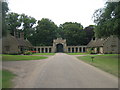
(44,54)
(7,79)
(0,78)
(21,57)
(77,53)
(106,62)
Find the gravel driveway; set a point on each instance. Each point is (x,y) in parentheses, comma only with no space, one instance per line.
(59,71)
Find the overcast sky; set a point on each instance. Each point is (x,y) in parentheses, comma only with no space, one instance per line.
(59,11)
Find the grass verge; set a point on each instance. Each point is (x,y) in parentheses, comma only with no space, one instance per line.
(77,53)
(7,77)
(21,57)
(44,54)
(106,62)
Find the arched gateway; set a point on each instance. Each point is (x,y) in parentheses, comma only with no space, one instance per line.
(59,48)
(59,45)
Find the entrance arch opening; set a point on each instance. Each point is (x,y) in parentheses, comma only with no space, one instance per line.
(59,48)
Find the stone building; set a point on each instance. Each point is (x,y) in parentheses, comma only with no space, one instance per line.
(104,45)
(14,44)
(59,45)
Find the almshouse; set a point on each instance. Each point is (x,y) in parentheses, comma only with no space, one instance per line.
(104,45)
(14,44)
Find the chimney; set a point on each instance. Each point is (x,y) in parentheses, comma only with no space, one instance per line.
(16,34)
(22,35)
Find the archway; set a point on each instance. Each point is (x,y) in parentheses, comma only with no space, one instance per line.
(59,48)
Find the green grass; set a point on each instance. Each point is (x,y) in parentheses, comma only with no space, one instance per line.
(21,57)
(0,78)
(77,53)
(106,62)
(44,54)
(7,79)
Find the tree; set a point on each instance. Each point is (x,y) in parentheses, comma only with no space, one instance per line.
(13,22)
(108,20)
(5,9)
(45,32)
(73,33)
(89,33)
(27,24)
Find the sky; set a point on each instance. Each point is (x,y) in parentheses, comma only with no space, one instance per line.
(59,11)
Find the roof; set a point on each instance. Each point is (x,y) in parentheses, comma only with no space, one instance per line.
(96,43)
(101,42)
(9,40)
(23,42)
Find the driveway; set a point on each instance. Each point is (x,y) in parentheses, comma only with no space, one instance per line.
(59,71)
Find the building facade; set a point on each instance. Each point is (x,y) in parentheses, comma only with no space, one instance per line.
(15,45)
(105,45)
(59,45)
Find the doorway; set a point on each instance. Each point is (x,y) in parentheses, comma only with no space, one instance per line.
(59,48)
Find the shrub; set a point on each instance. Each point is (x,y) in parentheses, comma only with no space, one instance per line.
(27,53)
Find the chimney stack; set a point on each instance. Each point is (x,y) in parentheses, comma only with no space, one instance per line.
(22,35)
(16,34)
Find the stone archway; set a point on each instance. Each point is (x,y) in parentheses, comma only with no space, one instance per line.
(59,45)
(59,48)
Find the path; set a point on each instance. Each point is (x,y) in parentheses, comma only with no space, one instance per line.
(64,71)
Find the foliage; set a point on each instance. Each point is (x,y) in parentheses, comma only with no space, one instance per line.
(91,51)
(5,9)
(13,22)
(28,23)
(20,23)
(27,53)
(45,32)
(73,33)
(42,32)
(89,33)
(108,20)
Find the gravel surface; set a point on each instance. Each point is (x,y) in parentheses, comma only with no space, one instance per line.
(59,71)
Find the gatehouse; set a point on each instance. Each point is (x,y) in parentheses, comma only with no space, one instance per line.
(60,45)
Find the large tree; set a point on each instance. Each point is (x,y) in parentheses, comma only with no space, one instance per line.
(108,20)
(45,32)
(73,33)
(5,9)
(89,31)
(27,24)
(20,23)
(13,22)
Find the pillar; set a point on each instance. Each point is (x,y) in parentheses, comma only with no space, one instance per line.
(40,50)
(47,50)
(81,49)
(44,50)
(74,49)
(78,49)
(71,49)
